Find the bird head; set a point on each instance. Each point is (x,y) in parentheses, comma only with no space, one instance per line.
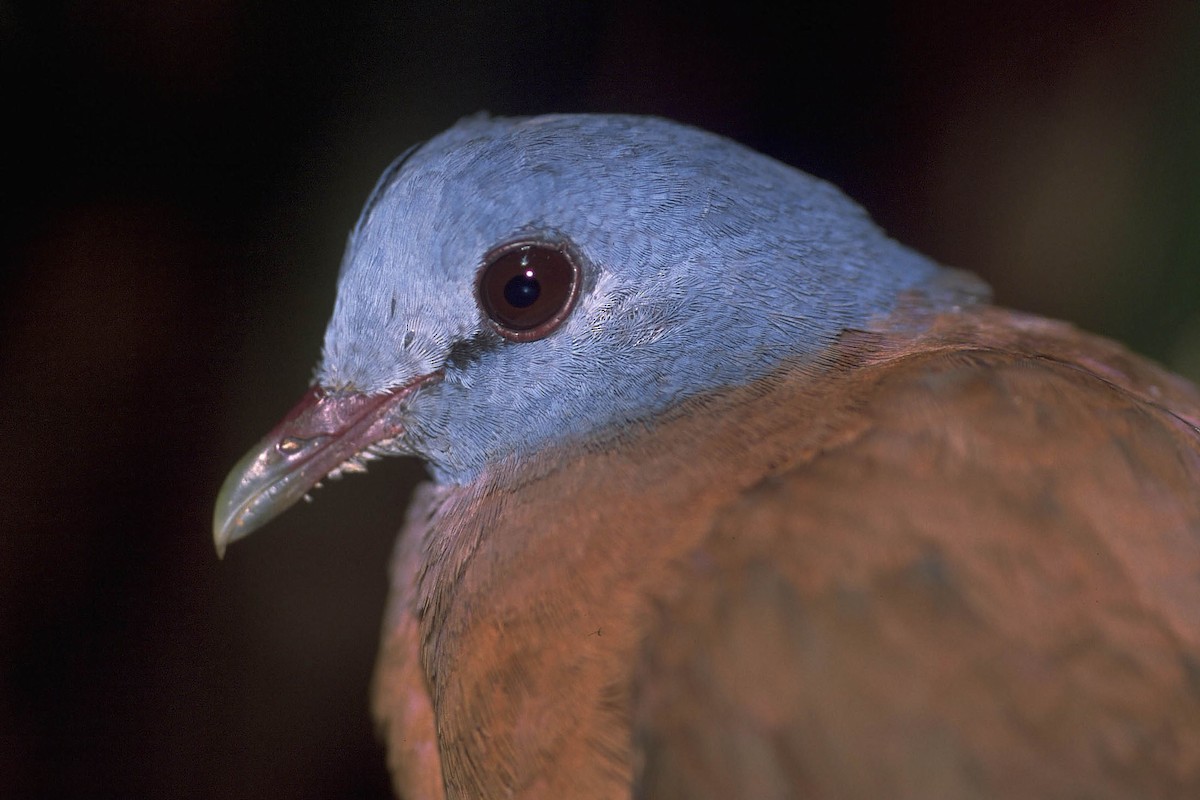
(515,284)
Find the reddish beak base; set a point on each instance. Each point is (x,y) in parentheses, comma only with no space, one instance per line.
(325,431)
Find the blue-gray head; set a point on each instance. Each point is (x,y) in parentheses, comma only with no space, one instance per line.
(658,261)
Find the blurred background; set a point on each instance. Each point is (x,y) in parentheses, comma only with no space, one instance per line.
(179,182)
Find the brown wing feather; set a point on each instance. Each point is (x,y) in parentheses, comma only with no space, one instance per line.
(991,590)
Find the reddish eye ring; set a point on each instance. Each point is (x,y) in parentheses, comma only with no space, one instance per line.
(527,289)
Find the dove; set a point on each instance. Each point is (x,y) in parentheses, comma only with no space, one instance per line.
(732,495)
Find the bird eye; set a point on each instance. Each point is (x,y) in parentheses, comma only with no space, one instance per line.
(527,289)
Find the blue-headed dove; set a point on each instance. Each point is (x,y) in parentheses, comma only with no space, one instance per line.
(734,496)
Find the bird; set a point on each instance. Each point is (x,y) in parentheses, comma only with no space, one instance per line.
(733,495)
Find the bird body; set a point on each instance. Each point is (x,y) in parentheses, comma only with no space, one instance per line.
(840,563)
(764,505)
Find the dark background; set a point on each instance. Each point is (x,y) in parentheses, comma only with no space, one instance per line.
(178,183)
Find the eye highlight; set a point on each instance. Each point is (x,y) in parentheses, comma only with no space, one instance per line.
(527,289)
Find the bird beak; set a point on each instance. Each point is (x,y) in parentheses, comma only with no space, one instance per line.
(326,431)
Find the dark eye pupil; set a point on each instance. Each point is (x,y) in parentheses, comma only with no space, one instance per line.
(522,291)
